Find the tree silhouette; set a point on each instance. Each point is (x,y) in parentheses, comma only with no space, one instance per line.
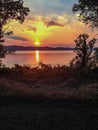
(11,10)
(2,51)
(88,10)
(84,52)
(96,54)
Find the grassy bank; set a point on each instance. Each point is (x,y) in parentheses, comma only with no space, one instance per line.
(48,81)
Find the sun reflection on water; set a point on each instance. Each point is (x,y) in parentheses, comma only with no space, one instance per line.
(37,56)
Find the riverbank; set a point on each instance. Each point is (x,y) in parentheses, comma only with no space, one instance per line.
(48,98)
(63,90)
(49,82)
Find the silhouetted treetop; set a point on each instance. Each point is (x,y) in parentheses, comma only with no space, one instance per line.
(84,52)
(11,10)
(88,11)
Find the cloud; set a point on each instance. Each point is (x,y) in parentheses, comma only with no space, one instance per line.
(30,28)
(52,20)
(53,23)
(18,38)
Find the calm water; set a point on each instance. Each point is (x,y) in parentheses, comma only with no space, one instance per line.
(32,58)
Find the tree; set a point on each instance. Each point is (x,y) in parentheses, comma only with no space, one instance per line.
(88,10)
(84,52)
(2,51)
(96,54)
(11,10)
(2,54)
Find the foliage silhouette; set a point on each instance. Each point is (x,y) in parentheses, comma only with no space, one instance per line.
(84,52)
(2,51)
(88,11)
(96,54)
(11,10)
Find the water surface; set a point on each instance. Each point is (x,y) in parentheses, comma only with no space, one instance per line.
(32,58)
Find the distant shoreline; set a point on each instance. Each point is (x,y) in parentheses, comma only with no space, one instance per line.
(43,50)
(30,48)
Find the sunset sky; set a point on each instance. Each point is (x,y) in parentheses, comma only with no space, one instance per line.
(50,23)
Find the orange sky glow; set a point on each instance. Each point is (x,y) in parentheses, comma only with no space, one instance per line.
(53,29)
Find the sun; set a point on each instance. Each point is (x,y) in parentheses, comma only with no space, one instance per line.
(37,43)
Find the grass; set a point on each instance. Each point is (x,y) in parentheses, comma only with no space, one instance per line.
(14,88)
(48,81)
(48,98)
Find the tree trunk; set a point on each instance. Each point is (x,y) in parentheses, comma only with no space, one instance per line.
(84,52)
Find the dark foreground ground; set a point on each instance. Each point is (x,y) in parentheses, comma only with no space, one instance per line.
(47,114)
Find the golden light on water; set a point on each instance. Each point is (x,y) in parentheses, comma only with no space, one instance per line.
(37,56)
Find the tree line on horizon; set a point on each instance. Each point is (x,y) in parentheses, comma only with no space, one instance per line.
(84,49)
